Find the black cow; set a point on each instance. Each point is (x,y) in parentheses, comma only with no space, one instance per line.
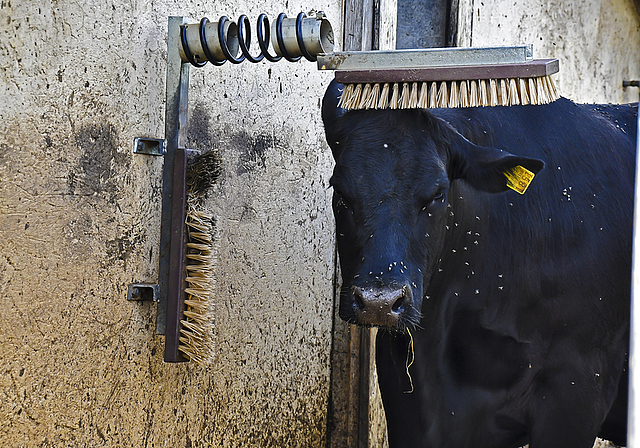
(517,304)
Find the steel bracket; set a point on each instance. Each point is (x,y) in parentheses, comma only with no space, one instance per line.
(149,146)
(142,292)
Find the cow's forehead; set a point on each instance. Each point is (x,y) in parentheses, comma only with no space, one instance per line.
(389,167)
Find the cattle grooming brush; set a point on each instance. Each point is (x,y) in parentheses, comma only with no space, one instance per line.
(196,332)
(185,277)
(442,77)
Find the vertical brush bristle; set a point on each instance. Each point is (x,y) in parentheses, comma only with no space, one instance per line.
(524,95)
(485,93)
(554,91)
(454,99)
(474,96)
(493,93)
(503,95)
(345,98)
(514,98)
(542,95)
(364,97)
(464,94)
(413,96)
(550,88)
(449,94)
(405,95)
(423,101)
(433,95)
(395,96)
(384,96)
(374,96)
(355,98)
(442,95)
(533,93)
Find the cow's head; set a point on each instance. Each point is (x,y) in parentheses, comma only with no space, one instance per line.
(391,186)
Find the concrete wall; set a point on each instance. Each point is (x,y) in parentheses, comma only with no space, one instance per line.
(79,221)
(597,42)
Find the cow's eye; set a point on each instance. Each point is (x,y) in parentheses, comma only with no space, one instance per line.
(341,202)
(439,198)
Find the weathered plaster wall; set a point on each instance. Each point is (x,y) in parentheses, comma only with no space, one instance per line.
(597,42)
(79,221)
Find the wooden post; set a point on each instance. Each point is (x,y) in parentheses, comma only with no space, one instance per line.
(368,24)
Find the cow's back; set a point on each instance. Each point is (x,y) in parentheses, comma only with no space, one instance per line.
(548,272)
(562,251)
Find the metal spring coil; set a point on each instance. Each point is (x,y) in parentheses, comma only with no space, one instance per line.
(244,41)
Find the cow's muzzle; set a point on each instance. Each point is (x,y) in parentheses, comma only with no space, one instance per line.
(381,306)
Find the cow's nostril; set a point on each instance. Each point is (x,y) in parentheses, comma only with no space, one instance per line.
(358,302)
(398,305)
(382,306)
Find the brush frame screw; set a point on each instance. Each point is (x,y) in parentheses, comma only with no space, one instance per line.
(138,292)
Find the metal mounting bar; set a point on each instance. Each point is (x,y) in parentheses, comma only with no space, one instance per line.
(175,135)
(433,57)
(142,292)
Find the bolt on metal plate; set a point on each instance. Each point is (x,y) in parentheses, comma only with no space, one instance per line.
(142,291)
(149,146)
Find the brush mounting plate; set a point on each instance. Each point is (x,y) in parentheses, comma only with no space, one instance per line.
(142,292)
(149,146)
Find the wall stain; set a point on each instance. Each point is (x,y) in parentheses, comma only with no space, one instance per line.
(4,154)
(101,165)
(6,273)
(123,247)
(253,150)
(199,135)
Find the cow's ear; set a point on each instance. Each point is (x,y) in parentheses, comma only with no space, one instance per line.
(491,169)
(331,114)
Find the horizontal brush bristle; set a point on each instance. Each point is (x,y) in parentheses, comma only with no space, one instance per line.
(449,94)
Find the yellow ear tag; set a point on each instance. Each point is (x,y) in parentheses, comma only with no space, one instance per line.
(518,178)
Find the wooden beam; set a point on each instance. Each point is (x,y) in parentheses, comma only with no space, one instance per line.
(358,25)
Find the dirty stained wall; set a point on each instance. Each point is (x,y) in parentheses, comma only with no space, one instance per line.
(79,221)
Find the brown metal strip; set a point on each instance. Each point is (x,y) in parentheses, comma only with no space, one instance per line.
(177,100)
(531,69)
(175,290)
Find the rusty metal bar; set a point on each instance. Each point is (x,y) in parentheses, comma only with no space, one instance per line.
(176,286)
